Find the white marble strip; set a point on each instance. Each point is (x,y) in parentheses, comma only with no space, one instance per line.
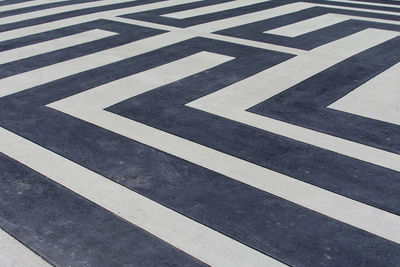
(309,25)
(365,3)
(232,101)
(212,9)
(360,9)
(379,98)
(265,84)
(53,45)
(57,10)
(394,22)
(35,29)
(13,253)
(144,23)
(26,80)
(50,73)
(187,235)
(119,90)
(316,23)
(273,47)
(224,38)
(222,24)
(212,26)
(28,4)
(89,106)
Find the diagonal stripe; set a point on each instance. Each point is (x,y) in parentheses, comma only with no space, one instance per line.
(50,73)
(378,98)
(44,27)
(251,91)
(57,10)
(13,253)
(316,23)
(28,4)
(195,239)
(225,38)
(364,3)
(89,106)
(53,45)
(366,9)
(251,17)
(212,9)
(232,101)
(309,25)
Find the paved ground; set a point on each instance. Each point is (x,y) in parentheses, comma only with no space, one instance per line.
(191,133)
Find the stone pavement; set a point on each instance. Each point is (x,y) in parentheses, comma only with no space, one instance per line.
(199,132)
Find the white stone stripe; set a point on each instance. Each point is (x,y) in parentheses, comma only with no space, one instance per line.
(144,23)
(28,4)
(53,45)
(35,29)
(364,3)
(63,69)
(379,98)
(57,10)
(50,73)
(265,84)
(13,253)
(257,44)
(309,25)
(212,26)
(185,234)
(316,23)
(251,17)
(224,38)
(359,9)
(89,106)
(232,101)
(212,9)
(394,22)
(119,90)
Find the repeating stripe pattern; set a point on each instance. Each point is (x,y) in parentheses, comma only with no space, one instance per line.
(193,133)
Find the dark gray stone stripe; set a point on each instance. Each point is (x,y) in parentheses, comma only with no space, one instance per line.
(68,230)
(267,223)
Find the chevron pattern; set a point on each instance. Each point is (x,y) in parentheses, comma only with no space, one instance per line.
(195,133)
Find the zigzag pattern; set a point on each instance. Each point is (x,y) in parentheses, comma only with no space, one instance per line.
(191,133)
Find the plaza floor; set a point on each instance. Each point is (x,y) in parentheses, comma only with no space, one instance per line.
(199,132)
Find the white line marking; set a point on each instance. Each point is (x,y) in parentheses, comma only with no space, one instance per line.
(212,26)
(309,25)
(57,10)
(316,23)
(63,69)
(252,43)
(201,28)
(50,73)
(360,9)
(144,23)
(379,98)
(185,234)
(266,84)
(44,27)
(212,9)
(28,4)
(53,45)
(232,101)
(364,3)
(89,106)
(224,38)
(119,90)
(222,24)
(13,253)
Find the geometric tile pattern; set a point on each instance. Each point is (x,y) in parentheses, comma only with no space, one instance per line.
(192,133)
